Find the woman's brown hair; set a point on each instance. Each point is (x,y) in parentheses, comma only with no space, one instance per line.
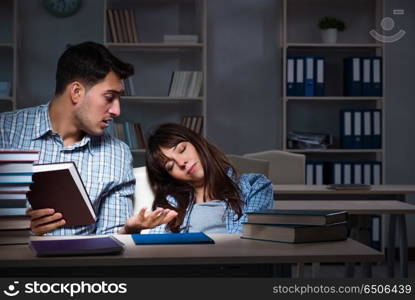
(219,174)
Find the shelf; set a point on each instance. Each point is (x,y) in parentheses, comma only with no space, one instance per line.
(161,99)
(335,150)
(6,45)
(334,98)
(336,46)
(143,46)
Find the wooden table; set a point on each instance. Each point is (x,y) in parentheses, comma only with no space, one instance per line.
(228,250)
(393,204)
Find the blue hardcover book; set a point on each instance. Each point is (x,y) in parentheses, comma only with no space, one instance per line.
(377,129)
(346,129)
(309,76)
(291,87)
(319,77)
(376,82)
(352,76)
(172,238)
(82,246)
(366,76)
(299,76)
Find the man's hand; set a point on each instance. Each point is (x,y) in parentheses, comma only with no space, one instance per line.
(44,220)
(144,220)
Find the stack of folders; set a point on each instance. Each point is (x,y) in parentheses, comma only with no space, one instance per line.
(305,76)
(361,129)
(296,226)
(16,169)
(185,84)
(343,172)
(130,133)
(363,76)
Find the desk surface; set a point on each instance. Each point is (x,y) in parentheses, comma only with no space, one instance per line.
(359,207)
(228,249)
(322,189)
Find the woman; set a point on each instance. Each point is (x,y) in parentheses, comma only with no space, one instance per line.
(196,187)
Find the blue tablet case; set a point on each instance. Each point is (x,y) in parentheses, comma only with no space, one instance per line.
(172,238)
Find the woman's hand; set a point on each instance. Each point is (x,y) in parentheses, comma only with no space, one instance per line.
(144,220)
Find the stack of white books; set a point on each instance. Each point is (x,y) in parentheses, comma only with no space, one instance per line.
(180,38)
(186,84)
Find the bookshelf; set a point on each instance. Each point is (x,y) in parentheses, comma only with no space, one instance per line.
(8,54)
(155,60)
(300,36)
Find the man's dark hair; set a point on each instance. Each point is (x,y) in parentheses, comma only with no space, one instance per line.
(88,63)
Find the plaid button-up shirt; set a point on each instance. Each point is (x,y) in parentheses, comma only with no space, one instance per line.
(104,163)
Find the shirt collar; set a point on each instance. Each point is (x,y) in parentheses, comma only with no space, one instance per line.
(43,126)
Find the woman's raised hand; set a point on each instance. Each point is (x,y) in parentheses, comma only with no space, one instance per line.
(146,220)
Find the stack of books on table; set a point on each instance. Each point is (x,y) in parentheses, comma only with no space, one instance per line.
(296,226)
(16,169)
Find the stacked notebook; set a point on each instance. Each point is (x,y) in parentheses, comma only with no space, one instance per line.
(16,169)
(296,226)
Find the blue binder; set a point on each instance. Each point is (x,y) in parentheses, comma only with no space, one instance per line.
(367,134)
(290,87)
(309,76)
(352,76)
(319,77)
(337,172)
(357,173)
(366,76)
(346,129)
(377,129)
(309,173)
(299,76)
(357,130)
(376,82)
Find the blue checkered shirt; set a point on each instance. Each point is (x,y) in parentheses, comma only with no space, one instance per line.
(256,192)
(104,163)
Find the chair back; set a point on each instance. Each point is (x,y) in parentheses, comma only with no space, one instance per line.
(284,167)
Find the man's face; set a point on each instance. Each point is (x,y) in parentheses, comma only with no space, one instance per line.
(99,105)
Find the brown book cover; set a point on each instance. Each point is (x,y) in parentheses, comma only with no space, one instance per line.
(111,26)
(136,38)
(123,23)
(128,25)
(118,26)
(59,186)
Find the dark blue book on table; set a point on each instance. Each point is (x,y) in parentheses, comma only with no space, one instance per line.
(85,246)
(172,238)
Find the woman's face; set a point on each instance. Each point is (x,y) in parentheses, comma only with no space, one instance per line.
(184,163)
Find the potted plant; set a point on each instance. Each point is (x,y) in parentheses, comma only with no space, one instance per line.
(329,27)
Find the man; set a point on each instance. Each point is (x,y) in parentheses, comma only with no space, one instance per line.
(71,127)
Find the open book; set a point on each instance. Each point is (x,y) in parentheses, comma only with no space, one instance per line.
(59,186)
